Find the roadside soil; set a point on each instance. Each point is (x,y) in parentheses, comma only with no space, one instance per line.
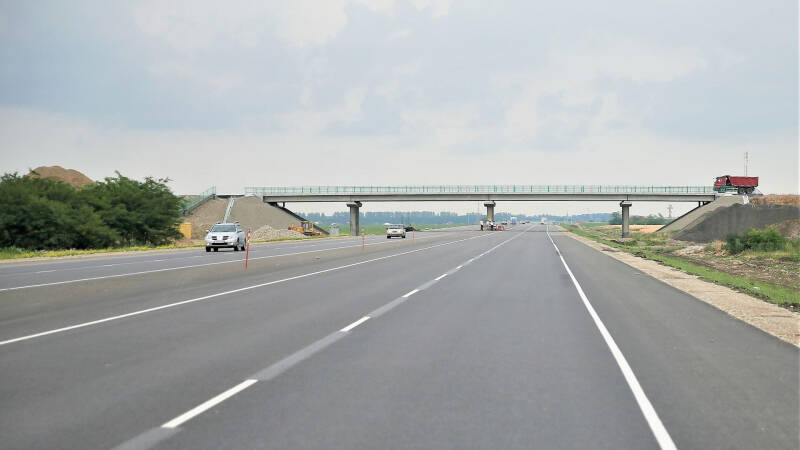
(776,199)
(636,228)
(267,232)
(776,271)
(205,216)
(770,318)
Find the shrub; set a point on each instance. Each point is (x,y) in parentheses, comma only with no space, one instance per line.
(38,213)
(143,213)
(762,240)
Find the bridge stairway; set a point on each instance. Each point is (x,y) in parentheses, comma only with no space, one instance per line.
(228,209)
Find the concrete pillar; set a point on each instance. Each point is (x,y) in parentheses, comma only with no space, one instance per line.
(354,229)
(489,211)
(626,218)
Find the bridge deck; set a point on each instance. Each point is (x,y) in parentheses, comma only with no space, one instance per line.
(484,193)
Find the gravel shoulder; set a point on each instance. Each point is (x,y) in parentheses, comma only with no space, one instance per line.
(772,319)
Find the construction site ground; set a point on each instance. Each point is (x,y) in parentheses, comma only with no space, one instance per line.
(780,322)
(780,271)
(776,268)
(266,222)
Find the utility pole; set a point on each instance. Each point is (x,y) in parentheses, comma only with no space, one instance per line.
(669,208)
(746,160)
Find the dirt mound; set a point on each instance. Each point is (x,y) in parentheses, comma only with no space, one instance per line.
(636,228)
(253,213)
(775,199)
(69,176)
(789,228)
(206,215)
(267,232)
(736,219)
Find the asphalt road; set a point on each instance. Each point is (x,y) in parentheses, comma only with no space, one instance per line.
(456,339)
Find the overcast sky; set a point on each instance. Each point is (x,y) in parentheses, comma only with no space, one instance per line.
(364,92)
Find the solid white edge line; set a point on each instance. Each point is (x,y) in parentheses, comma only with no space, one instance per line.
(409,294)
(219,294)
(656,426)
(440,277)
(355,324)
(208,404)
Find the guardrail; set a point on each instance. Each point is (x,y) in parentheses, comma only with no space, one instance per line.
(477,189)
(198,200)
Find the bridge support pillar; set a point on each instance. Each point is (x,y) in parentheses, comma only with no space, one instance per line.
(354,230)
(626,218)
(489,211)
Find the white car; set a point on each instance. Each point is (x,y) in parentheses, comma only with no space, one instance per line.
(226,235)
(395,231)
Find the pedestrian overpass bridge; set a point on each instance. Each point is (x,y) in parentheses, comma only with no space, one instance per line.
(489,194)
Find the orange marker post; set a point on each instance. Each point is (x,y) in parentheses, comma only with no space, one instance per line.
(363,237)
(247,253)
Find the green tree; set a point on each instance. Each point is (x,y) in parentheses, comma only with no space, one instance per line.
(142,213)
(37,213)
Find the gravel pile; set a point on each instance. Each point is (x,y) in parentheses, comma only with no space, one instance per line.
(267,232)
(736,219)
(206,215)
(252,213)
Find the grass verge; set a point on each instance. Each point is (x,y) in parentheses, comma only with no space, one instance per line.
(18,253)
(772,293)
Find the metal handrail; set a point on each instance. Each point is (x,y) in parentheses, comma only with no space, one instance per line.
(200,199)
(476,189)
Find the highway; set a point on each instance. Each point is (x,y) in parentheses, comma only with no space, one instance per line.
(524,338)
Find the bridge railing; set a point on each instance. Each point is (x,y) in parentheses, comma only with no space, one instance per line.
(477,189)
(196,200)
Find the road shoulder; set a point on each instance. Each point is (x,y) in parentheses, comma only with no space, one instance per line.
(772,319)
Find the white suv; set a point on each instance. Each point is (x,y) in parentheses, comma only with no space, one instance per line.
(225,235)
(395,230)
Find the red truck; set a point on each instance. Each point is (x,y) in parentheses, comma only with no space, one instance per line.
(740,185)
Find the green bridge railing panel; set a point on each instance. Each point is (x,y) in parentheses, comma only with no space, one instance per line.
(477,189)
(199,199)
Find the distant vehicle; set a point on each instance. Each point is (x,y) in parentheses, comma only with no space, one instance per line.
(225,235)
(504,223)
(513,221)
(395,231)
(543,220)
(740,185)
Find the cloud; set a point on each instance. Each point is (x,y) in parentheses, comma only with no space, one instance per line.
(218,82)
(293,156)
(562,103)
(306,22)
(400,34)
(437,8)
(191,26)
(313,121)
(623,58)
(522,91)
